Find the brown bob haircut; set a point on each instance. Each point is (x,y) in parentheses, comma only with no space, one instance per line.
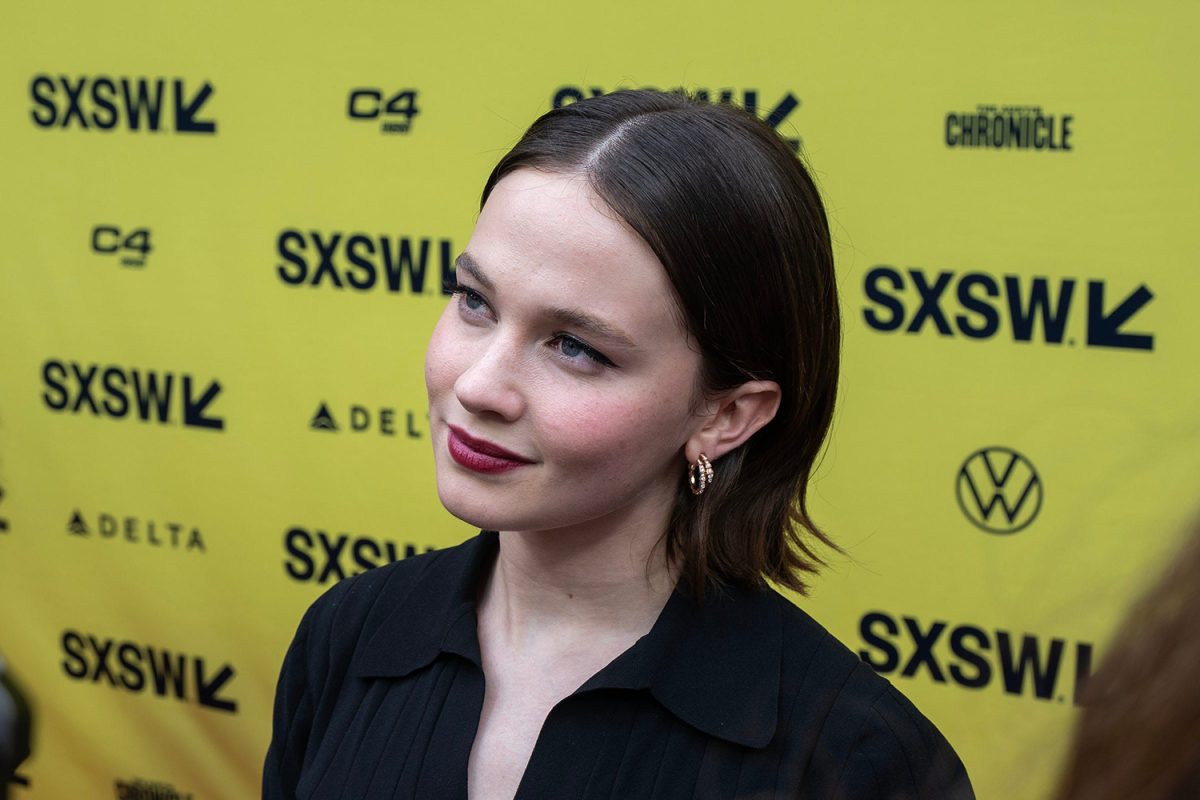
(738,224)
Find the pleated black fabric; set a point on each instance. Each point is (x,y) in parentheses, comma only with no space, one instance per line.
(743,696)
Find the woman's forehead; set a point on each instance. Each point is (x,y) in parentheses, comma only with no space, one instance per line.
(546,230)
(559,210)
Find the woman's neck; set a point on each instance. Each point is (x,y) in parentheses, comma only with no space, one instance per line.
(578,583)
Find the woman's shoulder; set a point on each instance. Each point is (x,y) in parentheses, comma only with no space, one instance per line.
(346,614)
(863,733)
(354,596)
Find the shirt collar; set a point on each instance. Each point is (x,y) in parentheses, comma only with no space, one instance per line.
(715,665)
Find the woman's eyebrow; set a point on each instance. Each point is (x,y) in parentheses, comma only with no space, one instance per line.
(570,317)
(468,264)
(582,321)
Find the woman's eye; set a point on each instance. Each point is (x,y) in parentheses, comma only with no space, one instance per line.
(469,299)
(572,348)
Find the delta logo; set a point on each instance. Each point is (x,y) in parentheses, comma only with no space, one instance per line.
(170,535)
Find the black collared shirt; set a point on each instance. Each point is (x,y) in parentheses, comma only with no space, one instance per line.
(742,696)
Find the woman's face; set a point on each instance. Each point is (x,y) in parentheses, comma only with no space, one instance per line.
(561,384)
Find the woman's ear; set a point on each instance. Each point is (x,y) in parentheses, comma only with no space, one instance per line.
(733,418)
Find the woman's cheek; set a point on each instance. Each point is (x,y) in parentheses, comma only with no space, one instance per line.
(594,431)
(441,359)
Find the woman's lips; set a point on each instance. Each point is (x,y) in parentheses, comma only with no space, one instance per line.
(480,455)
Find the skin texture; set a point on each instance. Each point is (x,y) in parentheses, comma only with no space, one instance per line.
(607,422)
(543,244)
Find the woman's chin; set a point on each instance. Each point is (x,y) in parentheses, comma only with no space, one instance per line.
(469,506)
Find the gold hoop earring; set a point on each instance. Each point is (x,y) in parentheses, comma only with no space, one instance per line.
(700,474)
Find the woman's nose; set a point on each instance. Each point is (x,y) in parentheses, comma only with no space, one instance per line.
(491,382)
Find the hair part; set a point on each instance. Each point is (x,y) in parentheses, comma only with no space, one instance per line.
(738,224)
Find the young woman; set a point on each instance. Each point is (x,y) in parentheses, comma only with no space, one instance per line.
(627,394)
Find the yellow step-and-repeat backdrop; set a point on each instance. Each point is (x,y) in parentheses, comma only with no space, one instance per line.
(225,233)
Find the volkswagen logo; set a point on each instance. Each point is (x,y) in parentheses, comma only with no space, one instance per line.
(999,490)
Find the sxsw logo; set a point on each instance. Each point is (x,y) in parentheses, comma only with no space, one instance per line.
(103,102)
(141,789)
(774,115)
(973,657)
(395,110)
(136,667)
(976,305)
(999,490)
(316,556)
(121,392)
(365,262)
(132,246)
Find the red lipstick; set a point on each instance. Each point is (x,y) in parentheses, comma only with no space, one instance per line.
(480,455)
